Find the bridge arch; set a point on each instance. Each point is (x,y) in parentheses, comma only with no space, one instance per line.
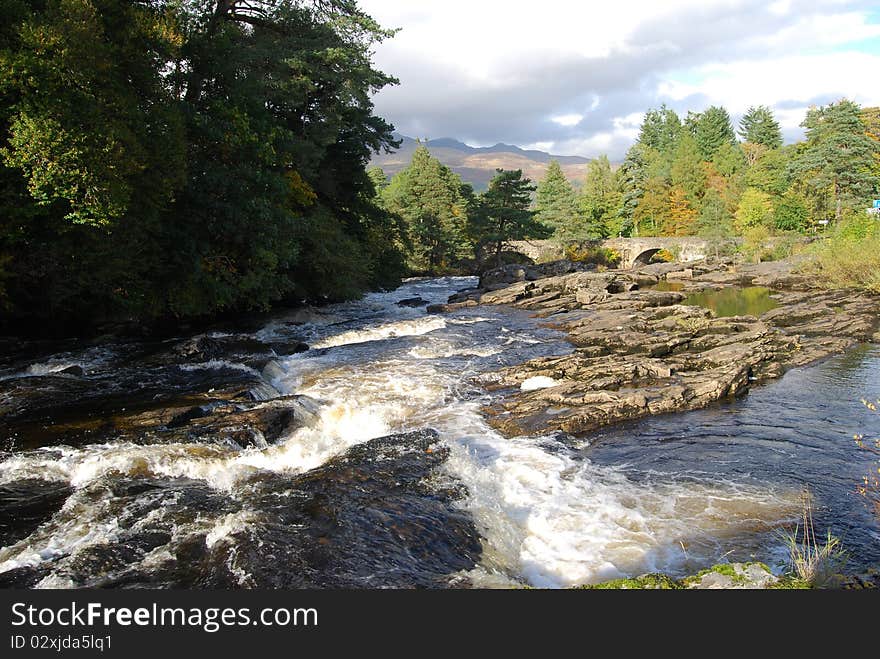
(644,258)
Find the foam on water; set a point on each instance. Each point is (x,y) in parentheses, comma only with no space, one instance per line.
(548,517)
(412,327)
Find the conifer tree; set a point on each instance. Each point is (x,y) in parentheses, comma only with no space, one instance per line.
(711,129)
(839,156)
(759,126)
(505,214)
(600,200)
(556,202)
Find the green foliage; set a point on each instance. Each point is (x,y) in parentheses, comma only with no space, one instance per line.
(715,223)
(556,202)
(631,177)
(180,159)
(688,171)
(600,200)
(595,254)
(839,158)
(770,171)
(504,213)
(759,126)
(660,130)
(428,196)
(729,159)
(711,129)
(790,213)
(755,209)
(849,257)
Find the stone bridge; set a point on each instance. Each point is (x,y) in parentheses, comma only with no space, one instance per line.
(633,251)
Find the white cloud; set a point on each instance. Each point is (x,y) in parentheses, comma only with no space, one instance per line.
(579,76)
(567,119)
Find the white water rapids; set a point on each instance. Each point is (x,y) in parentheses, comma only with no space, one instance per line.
(548,516)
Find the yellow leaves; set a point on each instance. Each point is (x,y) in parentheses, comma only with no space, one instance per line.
(301,193)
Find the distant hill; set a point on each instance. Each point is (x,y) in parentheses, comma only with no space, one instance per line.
(477,165)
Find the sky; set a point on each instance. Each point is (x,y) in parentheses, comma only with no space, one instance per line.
(575,77)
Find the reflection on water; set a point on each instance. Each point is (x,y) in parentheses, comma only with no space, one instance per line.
(734,301)
(665,285)
(795,432)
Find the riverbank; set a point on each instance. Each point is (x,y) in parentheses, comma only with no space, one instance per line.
(640,350)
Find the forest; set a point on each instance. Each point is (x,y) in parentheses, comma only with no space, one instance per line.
(170,159)
(163,160)
(697,176)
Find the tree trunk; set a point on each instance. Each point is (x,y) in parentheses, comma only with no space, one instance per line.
(838,211)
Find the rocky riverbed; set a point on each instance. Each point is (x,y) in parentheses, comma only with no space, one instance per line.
(640,351)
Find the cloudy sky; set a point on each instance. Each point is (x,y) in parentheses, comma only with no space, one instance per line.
(575,77)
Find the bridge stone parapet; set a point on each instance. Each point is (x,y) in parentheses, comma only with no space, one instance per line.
(633,251)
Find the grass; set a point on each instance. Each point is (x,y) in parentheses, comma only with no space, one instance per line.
(814,561)
(848,258)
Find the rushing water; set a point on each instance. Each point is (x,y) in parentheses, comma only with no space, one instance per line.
(329,504)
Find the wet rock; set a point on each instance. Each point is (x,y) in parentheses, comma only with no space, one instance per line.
(26,504)
(289,348)
(639,352)
(412,302)
(370,518)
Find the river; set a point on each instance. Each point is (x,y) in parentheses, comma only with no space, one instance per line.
(328,505)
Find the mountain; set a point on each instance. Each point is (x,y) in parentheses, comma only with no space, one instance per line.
(477,165)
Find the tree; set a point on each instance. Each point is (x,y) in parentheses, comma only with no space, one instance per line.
(790,213)
(556,202)
(759,126)
(660,130)
(729,160)
(710,130)
(755,209)
(631,177)
(504,212)
(688,171)
(839,155)
(175,159)
(428,196)
(681,219)
(715,223)
(770,171)
(600,200)
(653,208)
(378,178)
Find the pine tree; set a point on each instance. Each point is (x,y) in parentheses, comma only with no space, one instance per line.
(556,202)
(759,126)
(660,130)
(504,212)
(839,156)
(428,196)
(681,219)
(600,200)
(711,129)
(688,171)
(631,177)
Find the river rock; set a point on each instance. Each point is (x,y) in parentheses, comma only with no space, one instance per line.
(412,302)
(640,352)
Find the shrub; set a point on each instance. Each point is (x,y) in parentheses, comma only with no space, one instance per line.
(597,254)
(849,257)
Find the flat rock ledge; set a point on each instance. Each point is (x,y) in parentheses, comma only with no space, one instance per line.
(640,352)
